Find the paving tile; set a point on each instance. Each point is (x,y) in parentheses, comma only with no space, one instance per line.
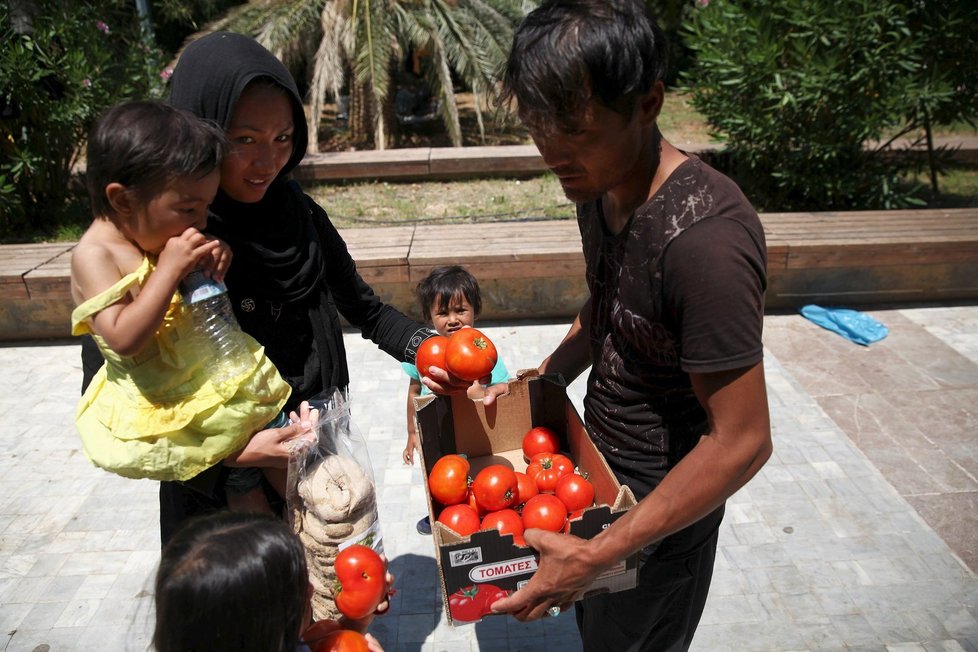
(955,517)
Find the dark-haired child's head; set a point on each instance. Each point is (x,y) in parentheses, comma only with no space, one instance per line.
(146,145)
(231,581)
(449,298)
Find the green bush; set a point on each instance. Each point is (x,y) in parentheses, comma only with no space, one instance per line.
(808,94)
(61,64)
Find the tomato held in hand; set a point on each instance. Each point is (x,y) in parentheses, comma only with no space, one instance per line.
(507,521)
(470,355)
(431,353)
(495,487)
(575,492)
(342,640)
(448,481)
(540,440)
(545,512)
(462,519)
(362,577)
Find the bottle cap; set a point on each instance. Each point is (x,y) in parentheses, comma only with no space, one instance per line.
(198,287)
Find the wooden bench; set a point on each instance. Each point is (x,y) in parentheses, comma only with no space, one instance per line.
(431,163)
(868,257)
(536,269)
(422,163)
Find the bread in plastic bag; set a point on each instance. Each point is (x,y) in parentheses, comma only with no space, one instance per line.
(332,497)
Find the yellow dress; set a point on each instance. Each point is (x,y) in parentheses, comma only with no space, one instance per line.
(156,414)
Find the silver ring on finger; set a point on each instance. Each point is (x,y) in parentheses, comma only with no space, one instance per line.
(553,611)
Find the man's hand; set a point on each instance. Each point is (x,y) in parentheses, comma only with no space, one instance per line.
(565,571)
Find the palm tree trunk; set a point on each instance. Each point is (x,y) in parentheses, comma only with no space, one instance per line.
(360,115)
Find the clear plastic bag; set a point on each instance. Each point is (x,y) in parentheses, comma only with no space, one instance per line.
(332,497)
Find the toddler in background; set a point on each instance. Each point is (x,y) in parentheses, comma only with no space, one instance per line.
(450,299)
(151,410)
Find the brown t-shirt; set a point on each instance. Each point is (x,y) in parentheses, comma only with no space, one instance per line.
(680,290)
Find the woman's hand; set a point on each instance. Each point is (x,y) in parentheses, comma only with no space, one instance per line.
(272,447)
(439,381)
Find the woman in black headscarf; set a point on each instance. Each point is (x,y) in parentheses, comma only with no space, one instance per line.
(291,271)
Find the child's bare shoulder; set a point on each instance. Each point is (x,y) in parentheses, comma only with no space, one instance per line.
(99,259)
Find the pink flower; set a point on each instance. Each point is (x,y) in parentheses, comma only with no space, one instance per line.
(87,83)
(166,73)
(102,27)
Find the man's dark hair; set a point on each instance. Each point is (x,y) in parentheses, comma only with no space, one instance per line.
(144,145)
(445,283)
(567,52)
(231,582)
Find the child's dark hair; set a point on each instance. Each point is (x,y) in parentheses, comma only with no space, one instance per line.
(445,283)
(233,581)
(144,145)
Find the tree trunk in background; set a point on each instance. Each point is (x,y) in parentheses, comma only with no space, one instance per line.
(361,123)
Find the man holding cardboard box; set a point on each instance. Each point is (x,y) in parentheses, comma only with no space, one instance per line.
(676,398)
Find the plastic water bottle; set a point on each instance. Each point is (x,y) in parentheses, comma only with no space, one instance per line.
(219,341)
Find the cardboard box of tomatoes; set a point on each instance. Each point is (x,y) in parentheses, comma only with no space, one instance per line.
(477,569)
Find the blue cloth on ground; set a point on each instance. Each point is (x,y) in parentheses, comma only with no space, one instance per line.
(850,324)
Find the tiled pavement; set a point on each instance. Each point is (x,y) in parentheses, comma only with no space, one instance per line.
(836,545)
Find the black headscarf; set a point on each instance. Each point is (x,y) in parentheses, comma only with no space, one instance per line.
(278,255)
(214,70)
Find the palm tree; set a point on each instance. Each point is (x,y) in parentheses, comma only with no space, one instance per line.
(358,43)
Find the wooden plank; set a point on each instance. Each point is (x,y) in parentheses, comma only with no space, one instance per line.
(18,260)
(52,279)
(381,254)
(460,161)
(390,163)
(907,254)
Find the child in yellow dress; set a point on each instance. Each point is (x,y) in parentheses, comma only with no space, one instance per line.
(152,411)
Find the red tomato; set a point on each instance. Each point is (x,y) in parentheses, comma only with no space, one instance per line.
(547,468)
(469,354)
(431,353)
(363,583)
(570,517)
(540,440)
(467,603)
(559,461)
(527,488)
(507,521)
(575,491)
(314,634)
(448,481)
(462,519)
(495,487)
(474,504)
(341,640)
(545,512)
